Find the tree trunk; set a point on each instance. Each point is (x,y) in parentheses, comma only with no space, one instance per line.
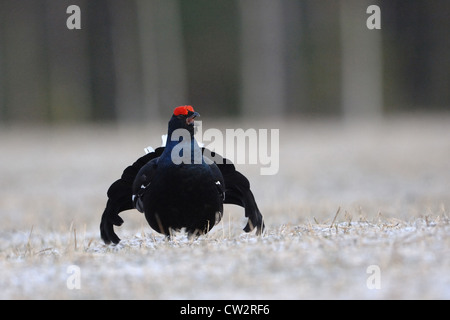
(68,67)
(361,62)
(263,69)
(25,70)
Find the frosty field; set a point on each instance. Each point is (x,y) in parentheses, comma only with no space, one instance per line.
(357,210)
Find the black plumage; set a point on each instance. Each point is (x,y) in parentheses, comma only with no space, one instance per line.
(179,186)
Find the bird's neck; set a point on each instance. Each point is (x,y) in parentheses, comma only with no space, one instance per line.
(181,147)
(179,134)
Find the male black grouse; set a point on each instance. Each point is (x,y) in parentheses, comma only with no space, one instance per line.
(179,186)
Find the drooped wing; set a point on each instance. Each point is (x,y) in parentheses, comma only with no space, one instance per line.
(237,191)
(120,198)
(141,183)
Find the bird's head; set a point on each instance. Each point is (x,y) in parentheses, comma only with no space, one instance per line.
(183,118)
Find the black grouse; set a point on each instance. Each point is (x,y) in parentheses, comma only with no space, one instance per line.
(179,186)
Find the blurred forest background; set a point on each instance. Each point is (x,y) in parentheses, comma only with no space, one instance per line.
(134,59)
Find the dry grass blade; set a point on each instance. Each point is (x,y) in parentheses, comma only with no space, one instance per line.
(335,216)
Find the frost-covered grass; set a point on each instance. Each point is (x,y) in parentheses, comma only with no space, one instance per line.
(349,196)
(289,262)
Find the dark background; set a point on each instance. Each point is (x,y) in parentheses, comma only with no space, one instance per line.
(138,59)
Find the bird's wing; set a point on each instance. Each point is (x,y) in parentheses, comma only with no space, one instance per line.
(141,183)
(120,197)
(217,176)
(120,194)
(237,191)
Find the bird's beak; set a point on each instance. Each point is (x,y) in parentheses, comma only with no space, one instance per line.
(190,119)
